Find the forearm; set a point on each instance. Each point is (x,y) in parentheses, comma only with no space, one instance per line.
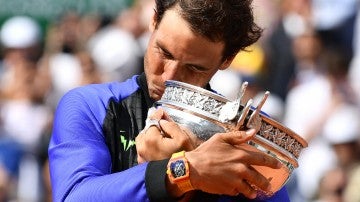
(144,182)
(83,171)
(157,183)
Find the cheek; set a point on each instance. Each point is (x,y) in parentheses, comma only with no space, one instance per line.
(153,64)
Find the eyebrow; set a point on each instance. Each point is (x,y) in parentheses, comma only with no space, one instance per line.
(160,45)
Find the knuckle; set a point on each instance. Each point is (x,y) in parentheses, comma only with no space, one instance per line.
(268,160)
(246,174)
(247,190)
(242,170)
(168,126)
(265,159)
(183,141)
(217,136)
(259,180)
(151,141)
(140,150)
(243,155)
(172,124)
(234,192)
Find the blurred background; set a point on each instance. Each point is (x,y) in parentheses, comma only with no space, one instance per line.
(308,58)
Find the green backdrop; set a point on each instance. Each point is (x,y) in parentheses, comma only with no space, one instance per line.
(51,9)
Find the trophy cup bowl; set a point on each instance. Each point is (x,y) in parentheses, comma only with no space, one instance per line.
(205,113)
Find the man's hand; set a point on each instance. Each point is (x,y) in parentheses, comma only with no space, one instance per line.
(161,141)
(223,165)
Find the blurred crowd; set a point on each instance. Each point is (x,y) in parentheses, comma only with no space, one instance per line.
(308,58)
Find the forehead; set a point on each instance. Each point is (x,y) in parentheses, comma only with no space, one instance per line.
(175,33)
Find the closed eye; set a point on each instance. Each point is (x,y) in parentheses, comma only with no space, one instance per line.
(197,68)
(165,53)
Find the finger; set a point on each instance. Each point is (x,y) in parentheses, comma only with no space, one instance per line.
(166,116)
(238,137)
(154,141)
(253,156)
(195,140)
(246,189)
(174,131)
(140,159)
(169,128)
(253,177)
(139,142)
(140,149)
(257,157)
(160,139)
(241,186)
(156,114)
(150,137)
(155,131)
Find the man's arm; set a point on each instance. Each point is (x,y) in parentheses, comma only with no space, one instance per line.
(80,164)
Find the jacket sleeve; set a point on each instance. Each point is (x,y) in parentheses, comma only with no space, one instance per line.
(155,181)
(80,165)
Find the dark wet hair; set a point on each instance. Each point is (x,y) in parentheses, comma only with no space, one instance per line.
(229,21)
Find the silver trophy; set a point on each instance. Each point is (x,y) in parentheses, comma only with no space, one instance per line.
(206,113)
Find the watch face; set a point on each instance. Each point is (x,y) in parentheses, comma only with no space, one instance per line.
(178,168)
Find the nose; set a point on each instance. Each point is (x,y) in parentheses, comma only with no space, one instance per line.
(171,71)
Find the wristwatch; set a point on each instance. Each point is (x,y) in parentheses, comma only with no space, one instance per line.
(178,172)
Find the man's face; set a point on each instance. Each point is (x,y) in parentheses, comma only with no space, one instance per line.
(176,53)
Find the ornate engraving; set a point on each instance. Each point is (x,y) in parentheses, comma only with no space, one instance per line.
(280,138)
(193,99)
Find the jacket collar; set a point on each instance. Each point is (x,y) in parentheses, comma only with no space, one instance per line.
(141,80)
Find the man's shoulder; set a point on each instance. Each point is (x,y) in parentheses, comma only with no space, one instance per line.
(105,91)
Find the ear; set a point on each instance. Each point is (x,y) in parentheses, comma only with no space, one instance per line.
(152,24)
(226,63)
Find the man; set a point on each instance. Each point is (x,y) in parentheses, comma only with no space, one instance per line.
(92,152)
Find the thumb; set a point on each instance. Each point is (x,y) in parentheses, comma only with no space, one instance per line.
(155,114)
(169,128)
(239,137)
(180,134)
